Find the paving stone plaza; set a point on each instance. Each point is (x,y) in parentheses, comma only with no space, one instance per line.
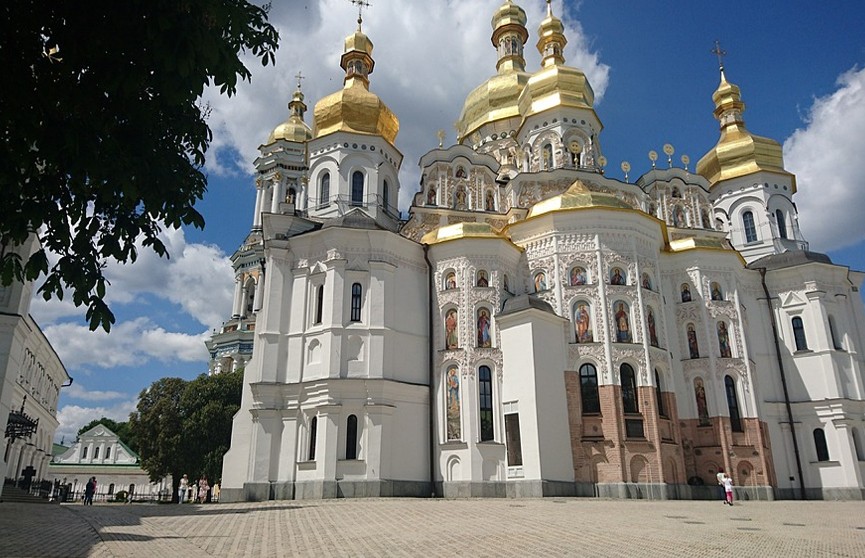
(411,527)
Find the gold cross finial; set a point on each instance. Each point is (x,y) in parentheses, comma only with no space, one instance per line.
(441,136)
(299,77)
(361,4)
(717,51)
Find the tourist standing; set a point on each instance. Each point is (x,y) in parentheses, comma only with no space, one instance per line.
(89,489)
(203,487)
(184,488)
(728,490)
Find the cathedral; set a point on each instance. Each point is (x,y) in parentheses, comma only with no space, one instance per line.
(532,327)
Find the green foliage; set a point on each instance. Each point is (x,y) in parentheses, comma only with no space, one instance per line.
(185,426)
(122,429)
(121,496)
(103,141)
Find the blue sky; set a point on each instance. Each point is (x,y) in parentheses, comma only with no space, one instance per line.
(800,66)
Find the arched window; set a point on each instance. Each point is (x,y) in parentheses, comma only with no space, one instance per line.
(357,188)
(111,489)
(662,410)
(356,291)
(833,333)
(319,304)
(820,445)
(782,224)
(799,334)
(324,189)
(351,437)
(589,389)
(108,452)
(485,396)
(385,193)
(313,430)
(750,230)
(629,389)
(733,404)
(84,452)
(96,453)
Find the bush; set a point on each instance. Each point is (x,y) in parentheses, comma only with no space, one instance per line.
(121,496)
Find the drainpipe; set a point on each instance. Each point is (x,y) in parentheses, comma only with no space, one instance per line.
(430,352)
(762,271)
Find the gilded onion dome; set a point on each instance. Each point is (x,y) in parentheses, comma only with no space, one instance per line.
(738,151)
(293,129)
(354,108)
(555,84)
(577,196)
(497,98)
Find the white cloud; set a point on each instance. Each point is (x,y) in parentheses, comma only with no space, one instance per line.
(130,343)
(197,277)
(824,156)
(73,417)
(428,56)
(78,391)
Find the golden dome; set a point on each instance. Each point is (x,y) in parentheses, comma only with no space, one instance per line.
(461,230)
(354,108)
(738,151)
(555,84)
(508,14)
(577,196)
(497,98)
(293,129)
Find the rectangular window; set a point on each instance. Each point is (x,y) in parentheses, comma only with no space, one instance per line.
(512,437)
(319,304)
(485,396)
(356,292)
(634,428)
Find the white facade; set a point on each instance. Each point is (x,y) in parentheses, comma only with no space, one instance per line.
(31,376)
(534,327)
(100,453)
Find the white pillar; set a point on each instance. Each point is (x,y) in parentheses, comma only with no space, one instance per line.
(277,197)
(238,298)
(256,218)
(259,287)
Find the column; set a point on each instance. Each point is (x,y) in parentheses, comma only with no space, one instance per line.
(256,218)
(238,299)
(259,287)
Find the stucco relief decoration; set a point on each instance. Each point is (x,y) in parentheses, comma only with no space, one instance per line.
(454,426)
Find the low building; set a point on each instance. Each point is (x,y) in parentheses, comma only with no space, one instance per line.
(100,453)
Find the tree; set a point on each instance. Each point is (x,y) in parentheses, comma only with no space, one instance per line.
(158,425)
(122,429)
(209,404)
(185,427)
(103,131)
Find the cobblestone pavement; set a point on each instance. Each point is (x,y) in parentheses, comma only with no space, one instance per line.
(407,527)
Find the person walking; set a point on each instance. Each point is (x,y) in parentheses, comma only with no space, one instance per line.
(721,476)
(728,490)
(184,488)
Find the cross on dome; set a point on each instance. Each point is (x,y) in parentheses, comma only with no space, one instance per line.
(361,4)
(720,53)
(299,77)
